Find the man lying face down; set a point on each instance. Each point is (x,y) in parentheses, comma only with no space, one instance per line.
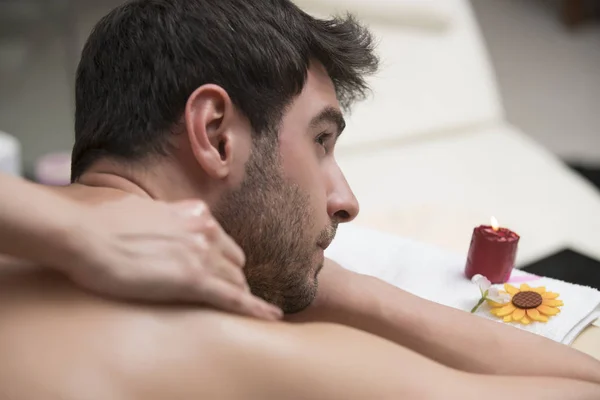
(236,104)
(239,103)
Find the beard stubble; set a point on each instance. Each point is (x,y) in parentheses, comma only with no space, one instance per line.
(272,221)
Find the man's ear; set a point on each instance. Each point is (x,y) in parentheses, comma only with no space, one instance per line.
(209,118)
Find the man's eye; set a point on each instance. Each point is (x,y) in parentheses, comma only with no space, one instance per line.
(323,139)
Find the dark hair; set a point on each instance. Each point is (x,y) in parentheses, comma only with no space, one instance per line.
(144,59)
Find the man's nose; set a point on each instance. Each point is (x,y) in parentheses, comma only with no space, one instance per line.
(342,205)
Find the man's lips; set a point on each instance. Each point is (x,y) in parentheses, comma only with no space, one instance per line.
(327,237)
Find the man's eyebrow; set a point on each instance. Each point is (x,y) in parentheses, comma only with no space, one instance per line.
(330,114)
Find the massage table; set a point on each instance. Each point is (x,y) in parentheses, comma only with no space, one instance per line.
(430,154)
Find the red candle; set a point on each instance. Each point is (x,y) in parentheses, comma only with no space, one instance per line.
(492,253)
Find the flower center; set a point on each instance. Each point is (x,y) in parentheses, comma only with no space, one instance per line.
(527,300)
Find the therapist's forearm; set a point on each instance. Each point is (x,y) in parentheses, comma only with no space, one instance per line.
(36,224)
(452,337)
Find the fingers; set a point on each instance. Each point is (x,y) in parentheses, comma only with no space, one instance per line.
(232,251)
(231,273)
(219,239)
(223,285)
(215,234)
(202,221)
(215,263)
(227,297)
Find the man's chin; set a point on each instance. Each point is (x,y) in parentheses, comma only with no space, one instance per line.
(303,300)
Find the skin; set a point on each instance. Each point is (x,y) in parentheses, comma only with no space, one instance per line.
(450,336)
(133,249)
(60,342)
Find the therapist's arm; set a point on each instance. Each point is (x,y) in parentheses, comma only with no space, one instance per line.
(133,248)
(452,337)
(35,224)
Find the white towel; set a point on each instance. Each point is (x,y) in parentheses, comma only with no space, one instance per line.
(437,275)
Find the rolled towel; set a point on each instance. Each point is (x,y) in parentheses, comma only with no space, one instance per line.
(437,275)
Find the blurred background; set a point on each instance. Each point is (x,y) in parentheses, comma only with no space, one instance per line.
(482,107)
(545,54)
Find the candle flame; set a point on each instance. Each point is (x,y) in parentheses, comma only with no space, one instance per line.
(495,225)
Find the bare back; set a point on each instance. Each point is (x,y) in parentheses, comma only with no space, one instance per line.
(58,342)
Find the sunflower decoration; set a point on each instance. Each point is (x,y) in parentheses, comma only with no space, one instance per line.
(522,305)
(526,304)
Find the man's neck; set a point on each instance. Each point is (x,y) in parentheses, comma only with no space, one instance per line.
(164,182)
(110,180)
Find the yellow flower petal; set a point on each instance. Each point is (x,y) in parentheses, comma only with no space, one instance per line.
(518,314)
(525,321)
(508,318)
(504,311)
(550,295)
(548,310)
(525,287)
(552,303)
(535,315)
(540,290)
(511,289)
(494,304)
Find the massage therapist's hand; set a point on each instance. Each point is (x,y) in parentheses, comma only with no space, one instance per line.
(146,250)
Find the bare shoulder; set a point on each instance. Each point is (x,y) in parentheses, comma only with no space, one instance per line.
(248,359)
(56,339)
